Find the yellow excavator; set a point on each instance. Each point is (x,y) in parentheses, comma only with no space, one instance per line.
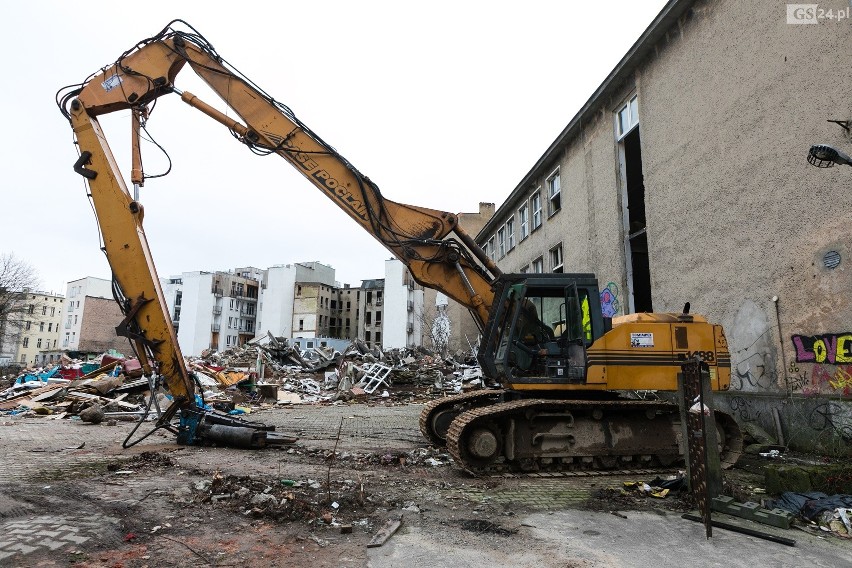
(565,371)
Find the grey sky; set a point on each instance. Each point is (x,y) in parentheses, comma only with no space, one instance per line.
(443,104)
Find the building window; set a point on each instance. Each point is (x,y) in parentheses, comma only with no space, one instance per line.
(26,342)
(501,242)
(52,311)
(301,325)
(538,265)
(32,309)
(28,325)
(368,318)
(556,258)
(41,326)
(38,343)
(510,234)
(627,117)
(49,327)
(491,250)
(378,337)
(536,210)
(75,320)
(367,336)
(524,269)
(523,222)
(378,319)
(554,194)
(65,343)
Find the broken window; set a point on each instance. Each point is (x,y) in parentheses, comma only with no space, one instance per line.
(378,337)
(367,336)
(378,318)
(554,194)
(556,258)
(368,317)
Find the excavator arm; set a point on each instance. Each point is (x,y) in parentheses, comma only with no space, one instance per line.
(434,248)
(437,252)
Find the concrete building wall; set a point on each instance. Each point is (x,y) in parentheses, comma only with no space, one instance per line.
(729,99)
(400,305)
(97,330)
(199,326)
(275,313)
(77,293)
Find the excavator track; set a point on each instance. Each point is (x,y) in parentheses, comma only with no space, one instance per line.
(540,435)
(437,415)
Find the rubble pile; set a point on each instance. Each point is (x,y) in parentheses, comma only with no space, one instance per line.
(111,388)
(267,371)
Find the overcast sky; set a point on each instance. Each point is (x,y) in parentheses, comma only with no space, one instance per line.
(444,104)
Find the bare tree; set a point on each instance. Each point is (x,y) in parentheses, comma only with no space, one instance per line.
(16,279)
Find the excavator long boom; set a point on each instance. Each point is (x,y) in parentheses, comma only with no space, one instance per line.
(418,236)
(429,242)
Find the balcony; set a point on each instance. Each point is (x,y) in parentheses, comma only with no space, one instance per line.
(215,328)
(217,310)
(218,292)
(410,328)
(410,306)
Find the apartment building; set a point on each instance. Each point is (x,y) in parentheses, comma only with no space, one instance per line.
(91,316)
(32,339)
(684,178)
(213,310)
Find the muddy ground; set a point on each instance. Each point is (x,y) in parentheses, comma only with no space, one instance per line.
(318,503)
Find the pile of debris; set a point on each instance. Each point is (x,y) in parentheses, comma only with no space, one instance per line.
(267,371)
(272,370)
(112,387)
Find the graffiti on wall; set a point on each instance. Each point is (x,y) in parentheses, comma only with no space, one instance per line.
(745,409)
(833,418)
(832,348)
(756,372)
(609,300)
(823,364)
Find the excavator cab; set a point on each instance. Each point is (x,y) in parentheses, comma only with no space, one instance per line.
(540,328)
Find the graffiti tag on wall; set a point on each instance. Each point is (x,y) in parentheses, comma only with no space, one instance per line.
(609,300)
(829,364)
(832,348)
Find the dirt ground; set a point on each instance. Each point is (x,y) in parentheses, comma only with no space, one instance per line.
(315,503)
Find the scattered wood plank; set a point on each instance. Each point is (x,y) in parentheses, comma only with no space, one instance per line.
(385,532)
